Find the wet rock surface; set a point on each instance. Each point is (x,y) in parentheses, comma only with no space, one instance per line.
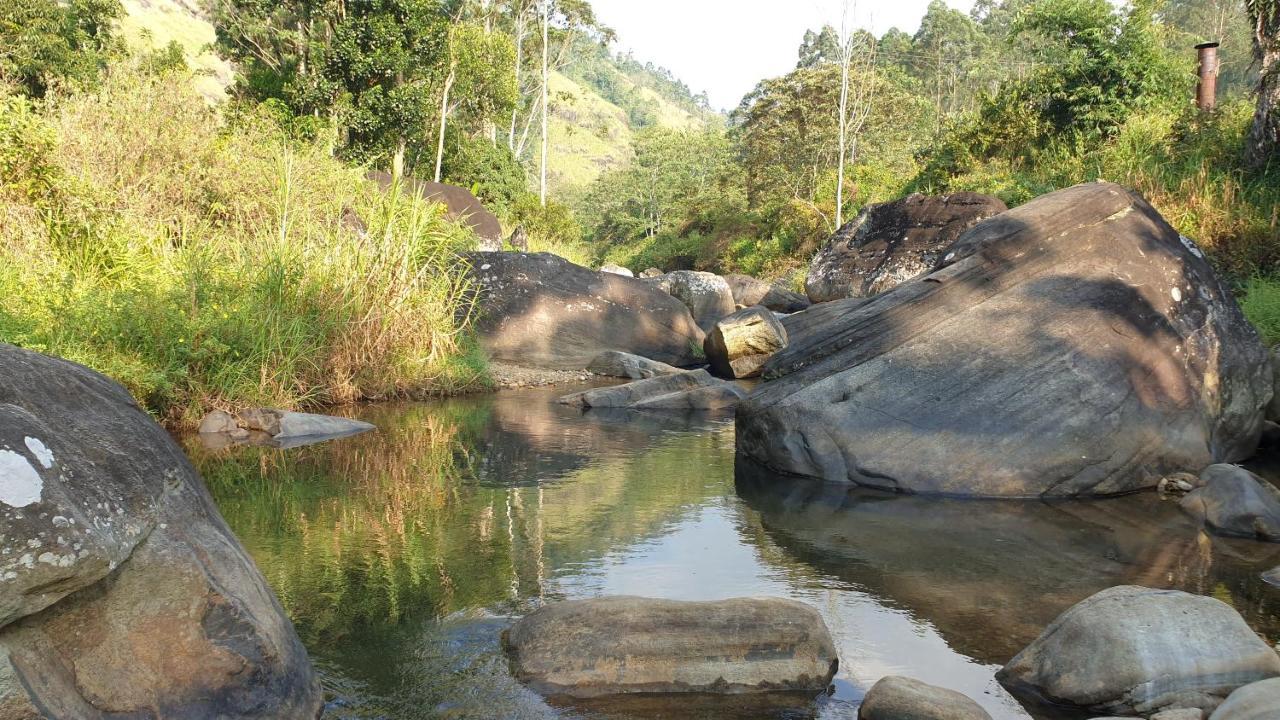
(125,595)
(739,344)
(902,698)
(890,243)
(1083,348)
(691,390)
(622,645)
(1137,651)
(540,310)
(1233,501)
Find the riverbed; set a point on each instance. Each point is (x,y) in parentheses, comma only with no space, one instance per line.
(402,554)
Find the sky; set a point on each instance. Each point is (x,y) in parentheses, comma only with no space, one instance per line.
(726,46)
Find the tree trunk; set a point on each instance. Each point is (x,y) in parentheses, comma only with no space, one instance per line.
(546,76)
(520,30)
(444,119)
(1264,137)
(845,59)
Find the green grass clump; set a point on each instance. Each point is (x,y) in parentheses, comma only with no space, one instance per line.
(1261,304)
(207,265)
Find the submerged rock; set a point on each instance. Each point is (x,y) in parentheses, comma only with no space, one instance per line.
(1255,701)
(707,295)
(540,310)
(125,594)
(739,344)
(902,698)
(613,363)
(748,291)
(1082,348)
(890,243)
(691,390)
(280,428)
(619,645)
(1136,651)
(1233,501)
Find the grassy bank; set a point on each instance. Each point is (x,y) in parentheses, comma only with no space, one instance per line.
(205,261)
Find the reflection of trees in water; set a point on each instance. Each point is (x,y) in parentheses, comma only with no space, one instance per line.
(366,537)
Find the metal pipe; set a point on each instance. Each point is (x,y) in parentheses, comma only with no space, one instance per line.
(1207,88)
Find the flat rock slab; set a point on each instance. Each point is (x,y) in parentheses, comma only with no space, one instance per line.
(902,698)
(1081,348)
(1255,701)
(613,363)
(1233,501)
(621,645)
(540,310)
(1132,650)
(691,390)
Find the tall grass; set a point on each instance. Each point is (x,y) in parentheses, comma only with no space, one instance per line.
(206,263)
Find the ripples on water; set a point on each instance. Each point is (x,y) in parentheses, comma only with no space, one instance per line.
(401,555)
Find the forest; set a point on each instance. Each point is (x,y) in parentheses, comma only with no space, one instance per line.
(201,252)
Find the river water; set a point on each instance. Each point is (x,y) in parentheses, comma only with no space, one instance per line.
(402,554)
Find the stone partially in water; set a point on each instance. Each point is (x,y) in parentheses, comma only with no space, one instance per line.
(902,698)
(691,390)
(1256,701)
(620,645)
(1135,650)
(124,594)
(1233,501)
(613,363)
(1083,348)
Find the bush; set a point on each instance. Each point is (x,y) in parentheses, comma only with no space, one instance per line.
(203,267)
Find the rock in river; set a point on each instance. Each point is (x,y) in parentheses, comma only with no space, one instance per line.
(748,291)
(613,363)
(540,310)
(739,344)
(1082,348)
(1136,651)
(890,243)
(902,698)
(1233,501)
(1255,701)
(125,594)
(692,390)
(619,645)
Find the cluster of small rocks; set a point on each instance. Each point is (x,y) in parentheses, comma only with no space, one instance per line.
(514,376)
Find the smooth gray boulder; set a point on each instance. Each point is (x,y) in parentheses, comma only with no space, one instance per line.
(125,594)
(616,270)
(706,295)
(540,310)
(278,428)
(748,291)
(622,645)
(691,390)
(739,344)
(1137,651)
(890,243)
(1083,348)
(1255,701)
(613,363)
(901,698)
(1233,501)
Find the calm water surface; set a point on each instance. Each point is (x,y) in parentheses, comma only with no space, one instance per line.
(401,555)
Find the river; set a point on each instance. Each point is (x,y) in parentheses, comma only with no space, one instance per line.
(402,554)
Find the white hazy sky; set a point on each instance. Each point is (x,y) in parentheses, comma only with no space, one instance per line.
(726,46)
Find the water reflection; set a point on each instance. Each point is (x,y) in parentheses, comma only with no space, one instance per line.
(402,554)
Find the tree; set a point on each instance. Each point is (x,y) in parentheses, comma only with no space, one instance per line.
(823,46)
(1264,135)
(471,80)
(857,63)
(46,42)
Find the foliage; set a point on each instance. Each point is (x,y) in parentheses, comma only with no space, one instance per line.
(490,170)
(45,43)
(1261,304)
(204,265)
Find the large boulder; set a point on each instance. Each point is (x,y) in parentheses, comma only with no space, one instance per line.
(620,645)
(1082,348)
(707,295)
(901,698)
(1233,501)
(540,310)
(125,594)
(890,243)
(739,344)
(612,363)
(1255,701)
(1136,651)
(748,291)
(692,390)
(460,205)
